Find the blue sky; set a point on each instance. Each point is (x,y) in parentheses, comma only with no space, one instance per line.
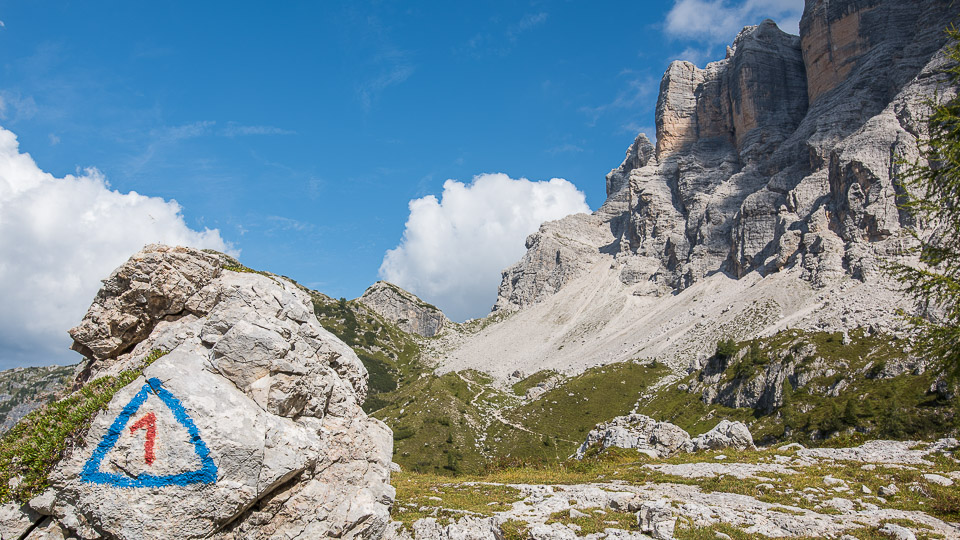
(300,131)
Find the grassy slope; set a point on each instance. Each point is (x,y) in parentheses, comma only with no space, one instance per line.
(566,413)
(458,424)
(389,354)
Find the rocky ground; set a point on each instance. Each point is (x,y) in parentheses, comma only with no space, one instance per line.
(599,320)
(881,489)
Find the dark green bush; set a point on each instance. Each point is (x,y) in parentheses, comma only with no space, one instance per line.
(726,348)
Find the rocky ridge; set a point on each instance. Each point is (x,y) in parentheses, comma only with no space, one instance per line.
(249,427)
(404,309)
(23,390)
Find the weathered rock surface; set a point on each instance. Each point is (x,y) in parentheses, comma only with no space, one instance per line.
(656,439)
(782,155)
(662,507)
(662,439)
(250,427)
(556,253)
(726,434)
(769,202)
(404,309)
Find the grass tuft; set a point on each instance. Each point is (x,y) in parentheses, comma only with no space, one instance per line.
(32,449)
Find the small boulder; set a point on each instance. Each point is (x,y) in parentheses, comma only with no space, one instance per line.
(888,491)
(897,532)
(937,479)
(656,518)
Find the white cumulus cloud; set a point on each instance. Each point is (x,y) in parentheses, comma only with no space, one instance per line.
(718,21)
(453,249)
(58,238)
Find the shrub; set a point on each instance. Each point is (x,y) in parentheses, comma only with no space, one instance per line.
(402,433)
(726,348)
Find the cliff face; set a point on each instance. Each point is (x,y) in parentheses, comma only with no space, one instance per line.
(783,154)
(405,309)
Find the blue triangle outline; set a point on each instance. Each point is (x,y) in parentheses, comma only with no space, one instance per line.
(206,474)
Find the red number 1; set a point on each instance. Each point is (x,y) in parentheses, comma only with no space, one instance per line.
(148,422)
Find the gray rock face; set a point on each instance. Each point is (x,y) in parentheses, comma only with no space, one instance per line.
(656,518)
(556,253)
(783,154)
(152,285)
(726,434)
(250,427)
(662,439)
(404,309)
(800,364)
(25,389)
(656,439)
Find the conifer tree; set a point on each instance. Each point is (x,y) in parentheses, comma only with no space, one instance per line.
(932,186)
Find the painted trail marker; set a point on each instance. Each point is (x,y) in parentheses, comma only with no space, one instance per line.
(149,424)
(206,474)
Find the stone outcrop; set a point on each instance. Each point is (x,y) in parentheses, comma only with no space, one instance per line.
(249,427)
(409,313)
(782,155)
(726,434)
(757,380)
(646,435)
(663,439)
(556,253)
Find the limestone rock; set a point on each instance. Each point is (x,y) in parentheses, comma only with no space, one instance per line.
(250,427)
(404,309)
(559,251)
(897,532)
(16,520)
(726,434)
(661,439)
(938,479)
(553,531)
(880,451)
(656,518)
(657,439)
(466,528)
(25,389)
(153,285)
(542,387)
(638,154)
